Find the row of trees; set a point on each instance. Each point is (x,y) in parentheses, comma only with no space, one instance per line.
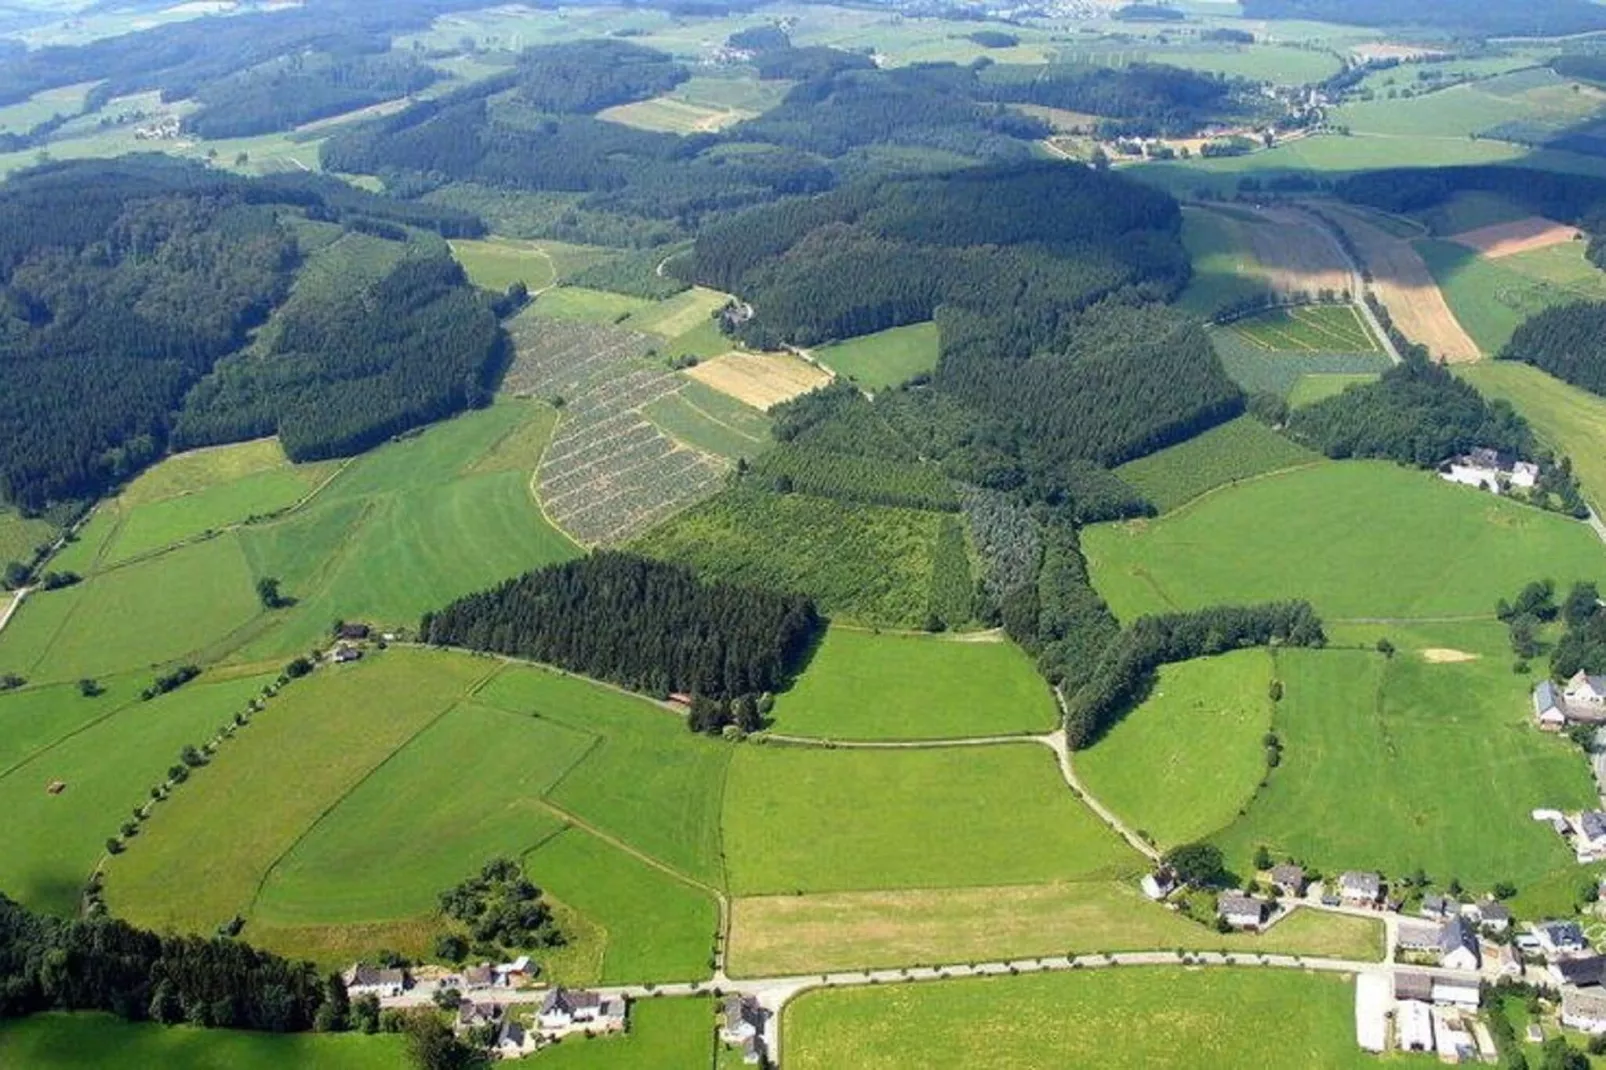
(645,625)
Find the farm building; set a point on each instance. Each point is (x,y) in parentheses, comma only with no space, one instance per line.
(1242,911)
(514,1041)
(1584,698)
(1371,1011)
(1458,946)
(1357,888)
(1413,1026)
(1585,972)
(1418,936)
(481,976)
(1437,906)
(351,631)
(1549,713)
(365,980)
(1451,993)
(569,1008)
(1490,470)
(471,1015)
(1584,1009)
(344,654)
(1591,827)
(1408,985)
(1288,879)
(1491,914)
(1159,884)
(741,1024)
(1453,1038)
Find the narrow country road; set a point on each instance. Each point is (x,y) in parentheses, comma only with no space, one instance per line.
(1593,520)
(15,604)
(1055,741)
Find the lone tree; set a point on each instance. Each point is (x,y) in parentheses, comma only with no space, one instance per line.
(269,594)
(1199,864)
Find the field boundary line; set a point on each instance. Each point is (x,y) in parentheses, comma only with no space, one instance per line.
(681,394)
(1257,477)
(301,837)
(533,483)
(826,743)
(33,756)
(635,852)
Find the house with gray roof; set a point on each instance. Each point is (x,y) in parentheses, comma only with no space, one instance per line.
(1584,1009)
(1436,906)
(1409,984)
(1242,911)
(365,980)
(1289,879)
(1357,888)
(564,1009)
(1560,938)
(1549,713)
(1458,946)
(1586,971)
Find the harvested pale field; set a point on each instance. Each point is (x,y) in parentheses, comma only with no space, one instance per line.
(761,380)
(1382,50)
(1297,254)
(1440,655)
(1518,236)
(1402,282)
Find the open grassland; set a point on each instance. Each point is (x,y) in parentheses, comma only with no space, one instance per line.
(1493,296)
(707,420)
(1569,420)
(588,306)
(863,685)
(34,718)
(886,358)
(679,315)
(1462,212)
(1224,266)
(761,380)
(1257,370)
(867,564)
(444,509)
(864,819)
(665,1034)
(1142,1019)
(1234,451)
(223,832)
(1308,329)
(102,626)
(647,781)
(1404,762)
(802,934)
(201,470)
(50,843)
(654,927)
(20,535)
(1182,764)
(673,116)
(1358,539)
(62,1041)
(497,263)
(1318,387)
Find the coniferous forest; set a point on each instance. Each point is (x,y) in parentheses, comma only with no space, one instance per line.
(645,625)
(1568,341)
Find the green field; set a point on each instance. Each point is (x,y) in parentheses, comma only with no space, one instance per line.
(1307,329)
(885,359)
(1313,388)
(1234,451)
(223,833)
(673,116)
(1224,270)
(1468,211)
(680,315)
(590,306)
(51,1041)
(50,843)
(1357,539)
(863,685)
(1434,765)
(1140,1019)
(807,819)
(20,536)
(497,263)
(34,718)
(864,563)
(1182,763)
(1260,371)
(1569,420)
(702,417)
(1491,298)
(665,1034)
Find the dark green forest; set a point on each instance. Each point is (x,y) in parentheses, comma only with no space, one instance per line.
(287,92)
(1568,341)
(645,625)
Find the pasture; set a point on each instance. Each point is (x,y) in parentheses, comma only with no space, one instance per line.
(679,315)
(705,419)
(21,535)
(221,834)
(884,359)
(1224,266)
(34,718)
(866,564)
(868,685)
(1358,539)
(1237,450)
(587,306)
(1431,764)
(1121,1019)
(775,935)
(50,843)
(761,380)
(1567,419)
(1491,297)
(1318,387)
(497,263)
(1005,815)
(1182,764)
(62,1041)
(1461,212)
(1308,329)
(673,116)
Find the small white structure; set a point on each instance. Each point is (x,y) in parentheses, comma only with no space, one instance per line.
(365,980)
(1371,1011)
(1452,993)
(1413,1026)
(1159,884)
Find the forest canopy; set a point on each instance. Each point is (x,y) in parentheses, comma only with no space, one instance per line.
(1568,341)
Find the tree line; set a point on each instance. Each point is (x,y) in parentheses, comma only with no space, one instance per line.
(645,625)
(1568,341)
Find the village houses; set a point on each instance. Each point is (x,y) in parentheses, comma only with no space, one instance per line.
(567,1010)
(1492,471)
(1243,911)
(741,1025)
(1359,889)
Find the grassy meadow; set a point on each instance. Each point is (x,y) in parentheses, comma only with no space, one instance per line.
(1492,297)
(1234,451)
(886,358)
(1358,539)
(35,718)
(775,935)
(497,263)
(1182,763)
(589,306)
(1005,817)
(864,685)
(1569,420)
(20,535)
(1142,1019)
(52,1041)
(702,417)
(1430,764)
(1313,388)
(50,843)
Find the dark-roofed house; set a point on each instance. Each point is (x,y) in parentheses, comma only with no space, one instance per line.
(1491,914)
(353,631)
(1411,985)
(1584,1009)
(1549,713)
(1560,937)
(741,1024)
(481,976)
(471,1015)
(1458,946)
(1417,935)
(1357,888)
(1591,832)
(514,1041)
(1289,879)
(1242,911)
(365,980)
(1587,971)
(1436,906)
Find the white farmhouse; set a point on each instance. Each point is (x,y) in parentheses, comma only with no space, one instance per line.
(1586,690)
(569,1008)
(365,980)
(1242,911)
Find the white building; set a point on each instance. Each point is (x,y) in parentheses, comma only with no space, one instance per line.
(1451,993)
(1584,1009)
(569,1008)
(1242,911)
(1585,690)
(1371,1011)
(1413,1026)
(365,980)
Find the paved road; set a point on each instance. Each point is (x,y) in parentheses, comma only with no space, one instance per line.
(15,604)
